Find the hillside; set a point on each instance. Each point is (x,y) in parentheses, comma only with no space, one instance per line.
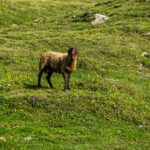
(108,106)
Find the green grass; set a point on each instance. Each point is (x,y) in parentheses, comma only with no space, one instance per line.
(108,106)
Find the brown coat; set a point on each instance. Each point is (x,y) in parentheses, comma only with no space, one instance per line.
(57,62)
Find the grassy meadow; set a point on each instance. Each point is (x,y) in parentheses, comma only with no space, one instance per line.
(108,106)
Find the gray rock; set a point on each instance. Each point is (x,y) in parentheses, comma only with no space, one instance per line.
(27,138)
(111,79)
(148,33)
(145,76)
(140,126)
(141,68)
(36,21)
(141,65)
(99,19)
(144,54)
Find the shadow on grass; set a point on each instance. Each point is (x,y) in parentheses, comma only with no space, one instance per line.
(33,86)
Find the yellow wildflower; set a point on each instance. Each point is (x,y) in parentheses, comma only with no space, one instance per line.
(93,101)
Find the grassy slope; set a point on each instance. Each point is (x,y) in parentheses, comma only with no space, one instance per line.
(97,113)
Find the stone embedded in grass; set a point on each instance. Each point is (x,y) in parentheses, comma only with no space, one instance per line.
(119,131)
(99,19)
(140,126)
(14,26)
(145,54)
(27,138)
(141,67)
(2,139)
(146,76)
(36,21)
(148,33)
(36,34)
(107,79)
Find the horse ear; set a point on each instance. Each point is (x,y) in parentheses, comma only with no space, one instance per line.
(70,50)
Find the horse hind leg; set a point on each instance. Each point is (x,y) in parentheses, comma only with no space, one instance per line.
(48,79)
